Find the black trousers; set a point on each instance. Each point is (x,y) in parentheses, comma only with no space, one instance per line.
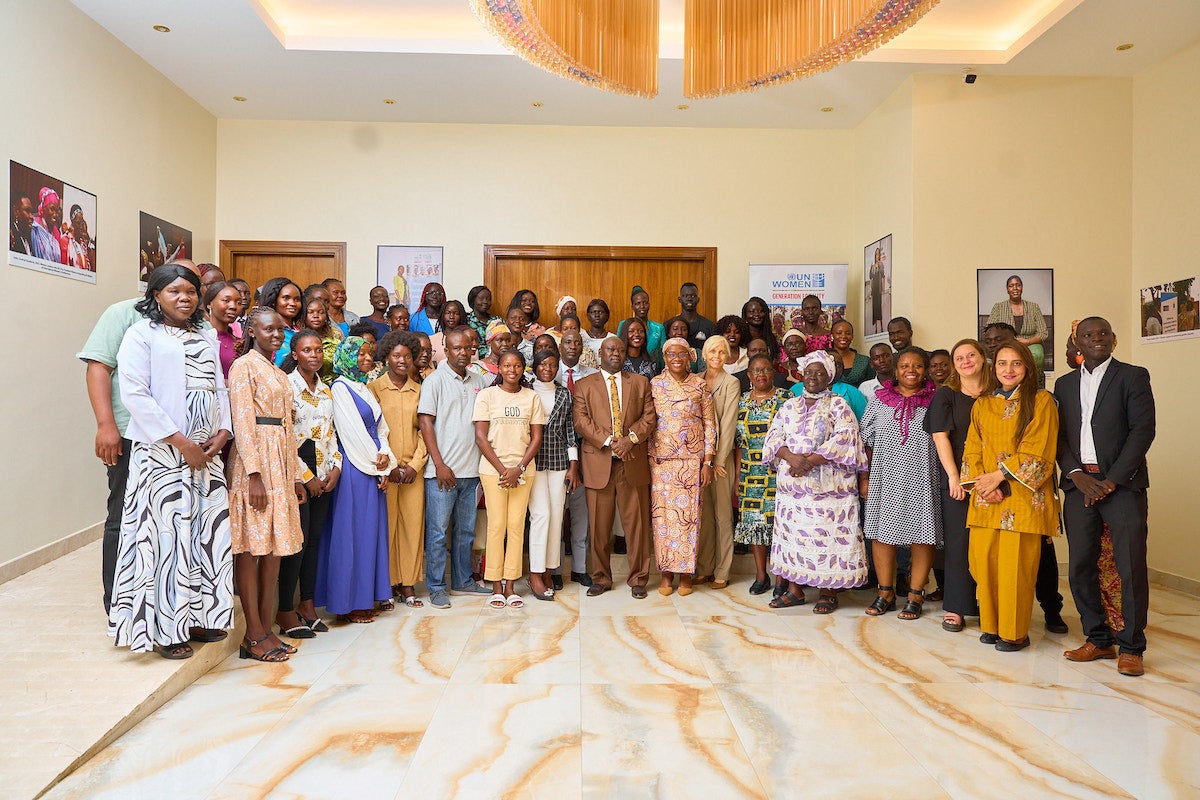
(1125,512)
(958,591)
(1046,589)
(118,476)
(301,567)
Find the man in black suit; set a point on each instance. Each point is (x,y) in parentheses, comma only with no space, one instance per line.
(1106,413)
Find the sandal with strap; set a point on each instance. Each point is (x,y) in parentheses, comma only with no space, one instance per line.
(272,656)
(912,608)
(786,600)
(826,603)
(882,605)
(174,652)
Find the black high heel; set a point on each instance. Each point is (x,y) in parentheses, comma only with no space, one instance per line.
(880,605)
(273,656)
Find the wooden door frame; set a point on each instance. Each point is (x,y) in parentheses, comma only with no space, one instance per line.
(232,248)
(706,256)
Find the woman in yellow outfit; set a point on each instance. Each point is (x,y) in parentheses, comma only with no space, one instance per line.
(1008,464)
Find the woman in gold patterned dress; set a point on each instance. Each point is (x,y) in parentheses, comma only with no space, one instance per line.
(1008,463)
(681,455)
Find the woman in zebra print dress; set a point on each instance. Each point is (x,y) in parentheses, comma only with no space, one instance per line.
(174,566)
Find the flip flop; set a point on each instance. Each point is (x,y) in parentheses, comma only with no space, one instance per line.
(515,601)
(496,601)
(412,602)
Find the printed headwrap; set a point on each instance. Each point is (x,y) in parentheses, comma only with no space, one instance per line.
(495,327)
(562,301)
(818,357)
(45,197)
(345,359)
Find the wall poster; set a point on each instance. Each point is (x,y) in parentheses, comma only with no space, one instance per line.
(784,287)
(405,270)
(52,225)
(998,289)
(160,242)
(877,289)
(1171,310)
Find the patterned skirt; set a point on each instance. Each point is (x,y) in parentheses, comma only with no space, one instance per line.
(817,542)
(675,513)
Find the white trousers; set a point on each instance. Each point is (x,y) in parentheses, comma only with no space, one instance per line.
(547,499)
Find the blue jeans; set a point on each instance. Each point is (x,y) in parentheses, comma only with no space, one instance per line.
(453,510)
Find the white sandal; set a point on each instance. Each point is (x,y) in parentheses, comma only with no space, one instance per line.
(496,601)
(515,601)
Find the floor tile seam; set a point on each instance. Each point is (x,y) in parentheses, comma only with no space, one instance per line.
(746,750)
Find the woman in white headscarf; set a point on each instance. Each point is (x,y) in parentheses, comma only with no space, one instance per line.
(818,454)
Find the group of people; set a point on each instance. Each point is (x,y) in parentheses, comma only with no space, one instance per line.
(324,460)
(41,231)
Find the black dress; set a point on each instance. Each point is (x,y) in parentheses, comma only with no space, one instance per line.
(950,412)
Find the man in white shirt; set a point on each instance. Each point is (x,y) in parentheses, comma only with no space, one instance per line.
(1106,413)
(570,371)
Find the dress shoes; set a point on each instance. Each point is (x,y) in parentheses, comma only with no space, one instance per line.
(1055,623)
(595,590)
(582,578)
(1005,646)
(989,638)
(638,592)
(619,545)
(1089,652)
(557,581)
(1130,664)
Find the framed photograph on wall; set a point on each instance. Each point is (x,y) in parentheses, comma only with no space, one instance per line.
(51,226)
(1024,298)
(159,241)
(405,270)
(1171,310)
(877,289)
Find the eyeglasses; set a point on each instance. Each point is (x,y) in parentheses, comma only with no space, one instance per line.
(675,355)
(764,371)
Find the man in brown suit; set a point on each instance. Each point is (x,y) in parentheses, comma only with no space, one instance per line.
(614,413)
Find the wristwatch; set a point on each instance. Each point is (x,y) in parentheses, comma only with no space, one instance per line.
(522,467)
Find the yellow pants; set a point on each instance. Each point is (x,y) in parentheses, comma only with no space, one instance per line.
(1005,566)
(506,527)
(406,531)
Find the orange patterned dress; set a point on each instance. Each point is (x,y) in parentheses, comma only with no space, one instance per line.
(259,393)
(686,433)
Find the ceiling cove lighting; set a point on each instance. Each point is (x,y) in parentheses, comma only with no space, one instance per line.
(730,46)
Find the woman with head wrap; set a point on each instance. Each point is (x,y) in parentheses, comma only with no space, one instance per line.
(566,306)
(681,464)
(815,447)
(498,338)
(45,233)
(352,571)
(792,348)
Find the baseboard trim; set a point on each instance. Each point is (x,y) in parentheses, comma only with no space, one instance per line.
(47,553)
(1177,582)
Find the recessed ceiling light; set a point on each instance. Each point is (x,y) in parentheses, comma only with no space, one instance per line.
(537,104)
(389,101)
(682,107)
(1126,46)
(239,98)
(826,109)
(162,29)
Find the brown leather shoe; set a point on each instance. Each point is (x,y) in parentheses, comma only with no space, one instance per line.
(1089,652)
(1130,664)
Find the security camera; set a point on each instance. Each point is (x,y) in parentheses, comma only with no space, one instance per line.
(970,77)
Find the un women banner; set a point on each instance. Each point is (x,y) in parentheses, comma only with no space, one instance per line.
(784,287)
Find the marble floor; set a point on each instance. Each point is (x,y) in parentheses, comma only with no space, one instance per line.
(707,696)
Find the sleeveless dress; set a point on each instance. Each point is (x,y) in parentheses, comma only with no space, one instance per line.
(174,565)
(352,565)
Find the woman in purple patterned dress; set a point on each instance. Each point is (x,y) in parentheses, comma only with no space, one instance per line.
(817,453)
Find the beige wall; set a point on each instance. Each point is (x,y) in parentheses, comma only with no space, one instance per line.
(758,196)
(883,201)
(82,107)
(1166,211)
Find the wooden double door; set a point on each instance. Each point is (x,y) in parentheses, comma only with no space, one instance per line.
(256,262)
(609,273)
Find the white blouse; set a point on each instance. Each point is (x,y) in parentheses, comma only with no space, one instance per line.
(351,432)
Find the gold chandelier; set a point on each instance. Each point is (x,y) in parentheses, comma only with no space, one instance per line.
(729,45)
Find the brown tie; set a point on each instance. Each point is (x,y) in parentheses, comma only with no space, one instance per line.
(616,406)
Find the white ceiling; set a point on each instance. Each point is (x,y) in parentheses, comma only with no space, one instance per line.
(344,57)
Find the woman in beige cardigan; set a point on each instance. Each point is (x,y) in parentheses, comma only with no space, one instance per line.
(715,556)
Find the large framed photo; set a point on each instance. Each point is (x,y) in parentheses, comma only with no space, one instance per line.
(1004,292)
(405,270)
(51,226)
(1171,310)
(877,288)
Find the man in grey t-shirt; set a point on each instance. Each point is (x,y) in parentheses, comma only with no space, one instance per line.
(452,473)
